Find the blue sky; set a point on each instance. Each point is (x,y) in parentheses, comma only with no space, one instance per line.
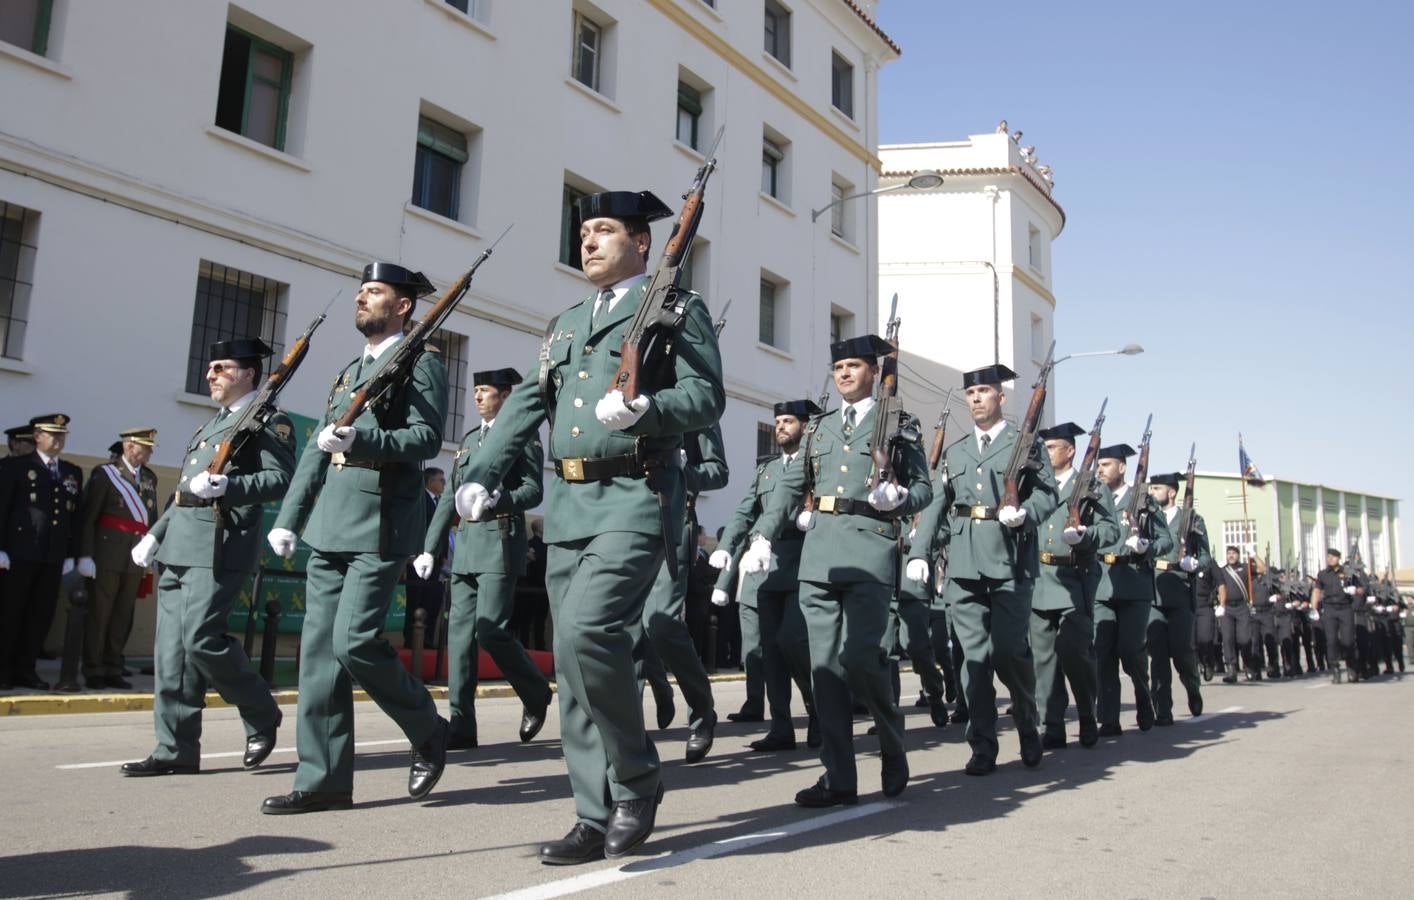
(1237,185)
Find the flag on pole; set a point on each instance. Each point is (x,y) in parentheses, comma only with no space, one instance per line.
(1247,467)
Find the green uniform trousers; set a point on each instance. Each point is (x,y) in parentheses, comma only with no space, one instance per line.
(112,596)
(945,653)
(481,617)
(785,656)
(598,587)
(845,624)
(665,627)
(1063,645)
(192,651)
(909,623)
(1121,627)
(992,618)
(1171,630)
(345,606)
(753,661)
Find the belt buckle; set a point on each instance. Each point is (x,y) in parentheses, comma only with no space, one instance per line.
(1110,558)
(1048,558)
(338,460)
(572,469)
(826,503)
(978,511)
(1161,564)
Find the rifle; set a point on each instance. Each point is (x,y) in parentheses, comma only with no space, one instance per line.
(664,306)
(808,501)
(1185,515)
(1085,475)
(886,412)
(722,319)
(825,391)
(1026,435)
(397,370)
(1141,473)
(935,453)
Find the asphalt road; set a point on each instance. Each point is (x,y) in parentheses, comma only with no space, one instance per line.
(1286,789)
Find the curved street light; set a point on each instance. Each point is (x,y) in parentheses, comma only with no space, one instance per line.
(923,180)
(1126,350)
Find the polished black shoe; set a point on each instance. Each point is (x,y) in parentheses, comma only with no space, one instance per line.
(149,767)
(583,844)
(428,762)
(532,720)
(296,802)
(922,701)
(873,731)
(980,765)
(746,714)
(894,775)
(938,711)
(773,743)
(1273,674)
(1144,713)
(119,682)
(630,824)
(818,796)
(1163,721)
(1195,703)
(68,687)
(813,740)
(1111,729)
(666,709)
(1089,734)
(699,739)
(257,747)
(462,742)
(959,717)
(1230,678)
(1206,671)
(949,691)
(1051,741)
(1031,750)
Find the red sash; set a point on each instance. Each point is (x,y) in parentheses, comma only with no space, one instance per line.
(125,525)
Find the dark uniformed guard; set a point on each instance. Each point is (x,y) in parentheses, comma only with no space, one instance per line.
(605,528)
(1235,619)
(19,441)
(1063,602)
(1207,636)
(357,496)
(848,565)
(427,594)
(119,506)
(39,501)
(1284,602)
(1332,598)
(993,562)
(490,556)
(1265,594)
(770,601)
(1171,622)
(199,584)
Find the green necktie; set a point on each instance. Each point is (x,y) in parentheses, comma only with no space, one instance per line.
(601,305)
(848,419)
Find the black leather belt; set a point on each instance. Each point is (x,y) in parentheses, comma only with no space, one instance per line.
(975,511)
(183,498)
(343,462)
(1113,558)
(1052,559)
(630,465)
(1163,565)
(504,515)
(844,506)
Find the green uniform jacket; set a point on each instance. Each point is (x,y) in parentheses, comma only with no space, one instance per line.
(381,510)
(1053,588)
(1176,587)
(784,572)
(846,548)
(987,548)
(581,363)
(1127,581)
(706,468)
(258,473)
(111,549)
(480,547)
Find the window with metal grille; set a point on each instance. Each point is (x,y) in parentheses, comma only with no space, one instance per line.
(437,167)
(569,226)
(1239,533)
(25,23)
(778,31)
(452,346)
(254,93)
(232,304)
(766,439)
(587,52)
(689,114)
(18,230)
(842,84)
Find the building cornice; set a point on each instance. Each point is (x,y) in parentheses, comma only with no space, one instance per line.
(874,26)
(1277,479)
(990,172)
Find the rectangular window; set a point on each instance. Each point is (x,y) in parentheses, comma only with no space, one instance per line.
(689,114)
(25,23)
(587,51)
(254,93)
(1238,533)
(837,212)
(778,31)
(767,331)
(466,6)
(18,234)
(437,167)
(772,160)
(766,440)
(569,226)
(454,354)
(1312,558)
(842,84)
(1039,344)
(232,304)
(837,328)
(1033,247)
(695,267)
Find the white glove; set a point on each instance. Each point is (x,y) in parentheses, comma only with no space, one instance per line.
(917,570)
(1073,536)
(1188,564)
(1136,544)
(612,412)
(1350,590)
(719,559)
(68,566)
(422,565)
(282,541)
(4,560)
(1275,598)
(1291,606)
(334,439)
(472,501)
(1220,611)
(681,458)
(802,521)
(208,486)
(720,597)
(912,534)
(86,567)
(1011,517)
(887,496)
(144,551)
(1315,615)
(757,558)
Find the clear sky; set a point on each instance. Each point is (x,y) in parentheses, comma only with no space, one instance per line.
(1236,177)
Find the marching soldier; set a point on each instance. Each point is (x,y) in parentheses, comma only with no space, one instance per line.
(910,617)
(205,563)
(1207,634)
(615,505)
(1265,594)
(1331,598)
(992,565)
(39,501)
(490,556)
(1171,622)
(119,506)
(357,496)
(1235,619)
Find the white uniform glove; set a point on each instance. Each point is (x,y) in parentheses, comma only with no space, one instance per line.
(612,412)
(68,566)
(1136,544)
(1188,564)
(681,459)
(422,565)
(282,541)
(912,534)
(144,551)
(887,496)
(1011,517)
(4,560)
(719,559)
(1220,611)
(208,486)
(1275,598)
(335,439)
(472,501)
(86,567)
(1350,590)
(757,558)
(720,597)
(917,570)
(802,521)
(1073,536)
(1315,615)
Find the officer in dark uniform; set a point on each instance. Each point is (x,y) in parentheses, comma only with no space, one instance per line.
(1205,620)
(19,441)
(39,500)
(1235,619)
(1265,592)
(1332,598)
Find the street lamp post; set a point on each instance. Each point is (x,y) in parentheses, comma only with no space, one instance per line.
(1126,350)
(924,180)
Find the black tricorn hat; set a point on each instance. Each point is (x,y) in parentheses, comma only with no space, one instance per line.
(1065,431)
(867,346)
(1165,478)
(240,348)
(641,205)
(988,375)
(500,378)
(20,433)
(1116,451)
(54,423)
(115,448)
(801,409)
(398,276)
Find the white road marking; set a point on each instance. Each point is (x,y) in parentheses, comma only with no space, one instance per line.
(1206,716)
(645,866)
(222,755)
(1317,687)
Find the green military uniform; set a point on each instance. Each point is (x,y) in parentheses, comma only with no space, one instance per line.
(198,584)
(364,516)
(603,529)
(1171,624)
(489,557)
(910,621)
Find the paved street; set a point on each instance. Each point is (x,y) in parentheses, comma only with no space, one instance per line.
(1282,789)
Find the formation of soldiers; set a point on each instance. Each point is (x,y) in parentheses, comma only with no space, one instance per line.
(1007,556)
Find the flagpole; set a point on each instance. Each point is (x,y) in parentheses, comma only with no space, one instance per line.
(1242,476)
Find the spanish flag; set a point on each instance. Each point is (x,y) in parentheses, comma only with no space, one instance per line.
(1247,467)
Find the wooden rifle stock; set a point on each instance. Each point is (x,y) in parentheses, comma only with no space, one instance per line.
(1085,475)
(1185,516)
(1026,436)
(935,453)
(1141,474)
(886,411)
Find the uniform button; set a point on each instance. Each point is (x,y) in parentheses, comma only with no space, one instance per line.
(583,376)
(844,468)
(979,485)
(846,448)
(588,349)
(839,489)
(979,470)
(182,480)
(578,401)
(193,460)
(574,432)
